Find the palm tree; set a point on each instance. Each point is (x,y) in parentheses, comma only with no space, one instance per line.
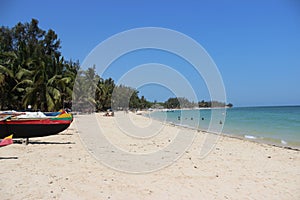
(8,79)
(85,90)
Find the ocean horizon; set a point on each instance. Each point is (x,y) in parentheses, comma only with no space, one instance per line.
(276,125)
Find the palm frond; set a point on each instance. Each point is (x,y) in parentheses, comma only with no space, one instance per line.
(23,72)
(9,72)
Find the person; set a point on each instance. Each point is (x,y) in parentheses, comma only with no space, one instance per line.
(109,113)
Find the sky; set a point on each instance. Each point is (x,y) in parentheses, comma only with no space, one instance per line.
(254,44)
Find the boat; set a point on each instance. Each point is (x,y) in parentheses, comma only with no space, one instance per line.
(33,124)
(6,141)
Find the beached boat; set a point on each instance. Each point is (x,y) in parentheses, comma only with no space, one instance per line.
(33,124)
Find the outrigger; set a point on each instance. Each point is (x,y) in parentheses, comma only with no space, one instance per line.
(33,124)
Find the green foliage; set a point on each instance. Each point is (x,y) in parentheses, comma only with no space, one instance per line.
(176,103)
(213,104)
(179,102)
(104,94)
(33,72)
(93,93)
(172,103)
(124,98)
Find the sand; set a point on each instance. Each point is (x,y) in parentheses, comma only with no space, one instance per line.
(61,167)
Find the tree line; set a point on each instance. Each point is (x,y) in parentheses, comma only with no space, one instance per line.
(92,93)
(182,102)
(32,69)
(34,72)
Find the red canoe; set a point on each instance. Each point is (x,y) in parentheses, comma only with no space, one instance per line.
(34,127)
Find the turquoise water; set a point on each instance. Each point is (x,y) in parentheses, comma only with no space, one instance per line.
(278,125)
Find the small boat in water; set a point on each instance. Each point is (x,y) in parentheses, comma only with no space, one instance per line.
(33,124)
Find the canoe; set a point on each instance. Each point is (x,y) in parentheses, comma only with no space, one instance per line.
(22,127)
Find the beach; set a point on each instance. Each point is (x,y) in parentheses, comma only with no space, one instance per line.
(61,167)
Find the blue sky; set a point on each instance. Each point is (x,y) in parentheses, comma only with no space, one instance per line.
(255,44)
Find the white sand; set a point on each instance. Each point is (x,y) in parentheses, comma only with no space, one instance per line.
(60,167)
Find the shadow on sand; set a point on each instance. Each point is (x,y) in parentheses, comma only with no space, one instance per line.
(9,158)
(65,134)
(37,142)
(41,142)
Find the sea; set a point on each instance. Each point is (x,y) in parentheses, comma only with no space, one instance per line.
(276,125)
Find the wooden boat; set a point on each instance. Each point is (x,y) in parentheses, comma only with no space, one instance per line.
(23,127)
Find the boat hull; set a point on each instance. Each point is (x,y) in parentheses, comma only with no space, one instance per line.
(32,128)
